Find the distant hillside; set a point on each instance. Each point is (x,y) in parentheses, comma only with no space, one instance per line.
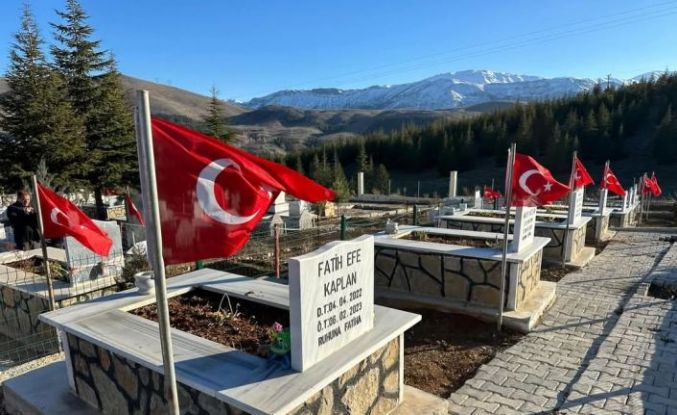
(444,91)
(278,129)
(170,100)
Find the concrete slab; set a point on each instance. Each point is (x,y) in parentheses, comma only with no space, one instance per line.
(583,258)
(529,314)
(43,391)
(419,402)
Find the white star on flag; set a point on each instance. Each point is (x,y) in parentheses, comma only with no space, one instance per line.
(547,186)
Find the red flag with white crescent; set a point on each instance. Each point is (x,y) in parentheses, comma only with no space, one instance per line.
(132,210)
(610,182)
(533,184)
(582,177)
(62,218)
(212,195)
(656,188)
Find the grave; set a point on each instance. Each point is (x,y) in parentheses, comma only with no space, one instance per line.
(460,271)
(84,265)
(566,241)
(346,352)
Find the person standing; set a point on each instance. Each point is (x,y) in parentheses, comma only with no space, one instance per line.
(24,222)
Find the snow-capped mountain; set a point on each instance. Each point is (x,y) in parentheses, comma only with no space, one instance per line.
(444,91)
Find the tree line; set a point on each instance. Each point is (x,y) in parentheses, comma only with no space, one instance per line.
(65,114)
(599,123)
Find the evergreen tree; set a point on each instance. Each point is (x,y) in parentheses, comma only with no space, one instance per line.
(96,93)
(215,124)
(299,164)
(340,182)
(38,119)
(381,179)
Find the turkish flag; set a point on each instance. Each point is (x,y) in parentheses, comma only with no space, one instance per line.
(132,210)
(491,194)
(648,185)
(610,181)
(212,195)
(62,218)
(656,189)
(533,184)
(582,177)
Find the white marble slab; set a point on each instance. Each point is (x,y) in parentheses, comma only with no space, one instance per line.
(227,374)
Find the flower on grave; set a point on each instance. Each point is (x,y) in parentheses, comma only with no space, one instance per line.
(277,327)
(281,343)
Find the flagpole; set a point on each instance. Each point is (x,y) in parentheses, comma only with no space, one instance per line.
(144,140)
(506,225)
(570,213)
(43,243)
(641,200)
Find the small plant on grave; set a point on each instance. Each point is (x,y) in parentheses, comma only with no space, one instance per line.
(280,340)
(134,263)
(58,271)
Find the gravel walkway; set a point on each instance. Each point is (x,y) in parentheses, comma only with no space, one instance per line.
(604,347)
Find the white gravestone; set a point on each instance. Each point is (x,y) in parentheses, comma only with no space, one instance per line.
(453,183)
(331,299)
(603,193)
(84,265)
(626,201)
(478,199)
(576,205)
(360,183)
(525,224)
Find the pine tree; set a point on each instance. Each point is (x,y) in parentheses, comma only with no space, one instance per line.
(381,179)
(214,120)
(96,93)
(39,121)
(340,182)
(299,164)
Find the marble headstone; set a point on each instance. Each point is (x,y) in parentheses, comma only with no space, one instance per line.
(331,299)
(525,225)
(576,205)
(84,265)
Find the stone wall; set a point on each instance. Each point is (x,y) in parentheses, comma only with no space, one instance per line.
(458,278)
(577,237)
(597,229)
(19,312)
(116,385)
(529,277)
(552,251)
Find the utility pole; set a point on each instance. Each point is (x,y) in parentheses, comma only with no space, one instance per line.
(608,81)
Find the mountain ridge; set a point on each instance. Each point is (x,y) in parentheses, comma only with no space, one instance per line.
(442,91)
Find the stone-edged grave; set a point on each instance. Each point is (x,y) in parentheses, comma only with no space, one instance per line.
(460,271)
(113,357)
(567,240)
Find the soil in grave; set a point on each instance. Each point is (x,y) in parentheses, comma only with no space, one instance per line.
(451,239)
(444,350)
(554,272)
(36,266)
(247,327)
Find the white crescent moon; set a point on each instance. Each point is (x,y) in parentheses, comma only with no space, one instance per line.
(207,199)
(53,215)
(523,181)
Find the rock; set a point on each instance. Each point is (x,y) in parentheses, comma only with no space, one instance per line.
(112,400)
(86,393)
(87,348)
(358,398)
(326,404)
(126,378)
(392,354)
(391,383)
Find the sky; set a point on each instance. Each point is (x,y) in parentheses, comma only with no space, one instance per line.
(251,48)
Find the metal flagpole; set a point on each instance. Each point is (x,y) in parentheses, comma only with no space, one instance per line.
(43,243)
(506,225)
(144,141)
(641,199)
(570,213)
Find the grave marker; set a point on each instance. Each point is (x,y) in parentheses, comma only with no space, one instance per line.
(331,299)
(85,265)
(453,183)
(525,224)
(603,193)
(576,205)
(478,199)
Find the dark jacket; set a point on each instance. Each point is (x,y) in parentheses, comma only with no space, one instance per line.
(24,224)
